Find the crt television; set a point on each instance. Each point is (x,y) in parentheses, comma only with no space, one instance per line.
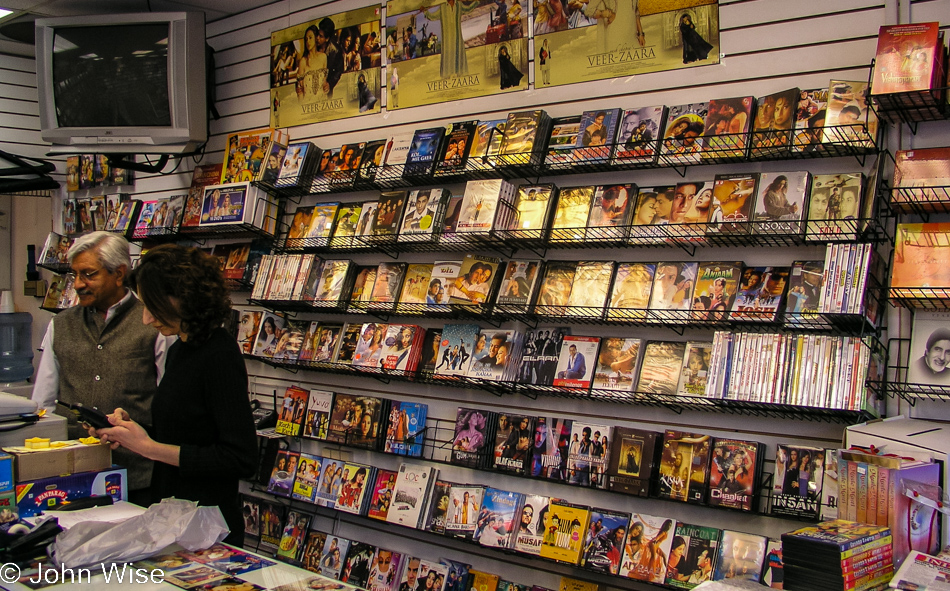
(122,83)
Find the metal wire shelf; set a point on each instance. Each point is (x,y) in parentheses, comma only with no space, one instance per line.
(910,392)
(828,142)
(921,201)
(677,404)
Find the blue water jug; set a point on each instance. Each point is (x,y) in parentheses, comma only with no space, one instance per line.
(16,347)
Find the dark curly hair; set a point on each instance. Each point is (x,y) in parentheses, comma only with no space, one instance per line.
(190,276)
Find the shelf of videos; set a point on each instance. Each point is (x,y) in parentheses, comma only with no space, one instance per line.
(260,218)
(438,439)
(858,324)
(828,142)
(389,177)
(681,320)
(505,241)
(675,403)
(899,353)
(379,310)
(441,446)
(688,236)
(461,545)
(62,267)
(921,201)
(464,545)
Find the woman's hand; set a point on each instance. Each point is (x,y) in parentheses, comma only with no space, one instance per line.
(125,432)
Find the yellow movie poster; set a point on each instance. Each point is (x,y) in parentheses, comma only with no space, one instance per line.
(441,51)
(583,40)
(326,69)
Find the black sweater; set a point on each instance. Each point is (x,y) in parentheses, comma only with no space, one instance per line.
(202,406)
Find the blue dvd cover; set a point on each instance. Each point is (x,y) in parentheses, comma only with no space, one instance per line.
(405,435)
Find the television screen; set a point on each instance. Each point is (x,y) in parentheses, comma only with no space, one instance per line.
(111,76)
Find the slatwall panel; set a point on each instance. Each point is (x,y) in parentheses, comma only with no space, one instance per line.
(768,45)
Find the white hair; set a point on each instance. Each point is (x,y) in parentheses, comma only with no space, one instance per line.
(112,249)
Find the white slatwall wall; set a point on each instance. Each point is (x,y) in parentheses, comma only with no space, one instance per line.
(768,45)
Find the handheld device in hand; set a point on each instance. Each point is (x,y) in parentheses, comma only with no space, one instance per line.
(91,415)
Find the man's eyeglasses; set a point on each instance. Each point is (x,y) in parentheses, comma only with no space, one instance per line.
(85,275)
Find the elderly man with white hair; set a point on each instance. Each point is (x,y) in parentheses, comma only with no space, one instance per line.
(99,353)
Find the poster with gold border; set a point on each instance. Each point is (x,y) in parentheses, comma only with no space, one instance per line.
(585,40)
(446,50)
(326,69)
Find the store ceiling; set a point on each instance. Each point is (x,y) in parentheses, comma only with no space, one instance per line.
(16,31)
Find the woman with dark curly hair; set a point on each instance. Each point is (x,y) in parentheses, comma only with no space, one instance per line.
(203,438)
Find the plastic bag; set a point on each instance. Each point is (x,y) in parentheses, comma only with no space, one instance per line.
(169,522)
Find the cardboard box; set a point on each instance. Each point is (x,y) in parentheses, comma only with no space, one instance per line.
(33,464)
(32,498)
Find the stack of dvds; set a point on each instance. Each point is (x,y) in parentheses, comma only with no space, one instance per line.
(247,155)
(395,155)
(453,156)
(486,144)
(54,250)
(741,556)
(848,118)
(424,214)
(411,493)
(370,161)
(921,261)
(909,80)
(304,278)
(204,175)
(772,126)
(806,370)
(346,166)
(237,262)
(471,445)
(60,294)
(798,485)
(496,355)
(353,222)
(848,271)
(157,217)
(595,138)
(524,139)
(486,206)
(96,170)
(639,135)
(561,142)
(922,179)
(391,347)
(298,166)
(423,152)
(830,556)
(358,421)
(311,226)
(726,133)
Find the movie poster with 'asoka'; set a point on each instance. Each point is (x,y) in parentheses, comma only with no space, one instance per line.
(326,69)
(584,40)
(445,50)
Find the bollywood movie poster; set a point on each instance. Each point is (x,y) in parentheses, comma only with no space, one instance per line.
(326,69)
(599,39)
(443,51)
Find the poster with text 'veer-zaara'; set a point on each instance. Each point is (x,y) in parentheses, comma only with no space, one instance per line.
(584,40)
(441,51)
(326,69)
